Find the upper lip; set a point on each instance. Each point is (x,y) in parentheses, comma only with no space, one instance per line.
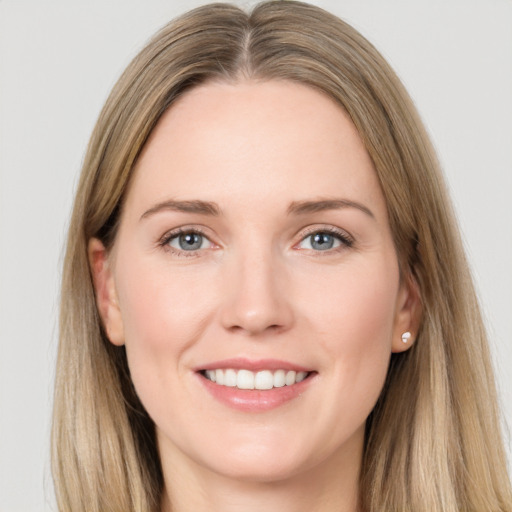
(240,363)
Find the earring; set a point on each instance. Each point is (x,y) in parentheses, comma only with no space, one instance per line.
(406,336)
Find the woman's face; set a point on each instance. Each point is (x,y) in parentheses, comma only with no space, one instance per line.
(254,250)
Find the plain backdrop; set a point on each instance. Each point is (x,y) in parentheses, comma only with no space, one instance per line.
(58,61)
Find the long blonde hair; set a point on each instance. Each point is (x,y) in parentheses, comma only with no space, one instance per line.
(433,441)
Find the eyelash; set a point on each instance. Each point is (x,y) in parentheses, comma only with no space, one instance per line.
(345,239)
(166,239)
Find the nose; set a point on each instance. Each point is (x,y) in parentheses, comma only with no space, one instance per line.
(256,299)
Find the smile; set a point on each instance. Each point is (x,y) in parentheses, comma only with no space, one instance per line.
(261,380)
(255,386)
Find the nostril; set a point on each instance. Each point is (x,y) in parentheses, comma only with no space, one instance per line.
(255,330)
(256,308)
(249,328)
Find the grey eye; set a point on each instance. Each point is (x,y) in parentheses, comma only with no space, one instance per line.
(321,241)
(189,242)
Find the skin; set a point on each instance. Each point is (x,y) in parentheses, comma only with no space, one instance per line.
(256,289)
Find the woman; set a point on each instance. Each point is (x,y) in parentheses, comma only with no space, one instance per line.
(265,300)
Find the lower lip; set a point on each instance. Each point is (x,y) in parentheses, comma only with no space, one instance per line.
(255,400)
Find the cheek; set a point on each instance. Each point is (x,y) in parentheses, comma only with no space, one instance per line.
(354,317)
(158,304)
(163,315)
(358,301)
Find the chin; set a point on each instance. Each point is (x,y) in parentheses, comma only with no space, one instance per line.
(277,460)
(263,470)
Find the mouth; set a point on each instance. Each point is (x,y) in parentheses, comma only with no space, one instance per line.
(255,386)
(259,380)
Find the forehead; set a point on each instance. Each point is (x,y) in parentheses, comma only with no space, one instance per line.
(280,141)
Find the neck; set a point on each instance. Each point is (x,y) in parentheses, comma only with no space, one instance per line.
(331,486)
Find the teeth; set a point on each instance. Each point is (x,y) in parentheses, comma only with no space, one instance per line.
(300,376)
(279,378)
(245,379)
(290,378)
(264,380)
(230,378)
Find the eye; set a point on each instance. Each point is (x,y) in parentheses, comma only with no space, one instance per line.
(324,241)
(189,241)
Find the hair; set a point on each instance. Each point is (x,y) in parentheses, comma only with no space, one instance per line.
(433,440)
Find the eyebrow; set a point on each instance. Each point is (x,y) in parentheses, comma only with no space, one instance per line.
(194,206)
(296,207)
(302,207)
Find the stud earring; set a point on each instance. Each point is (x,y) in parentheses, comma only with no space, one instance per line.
(406,336)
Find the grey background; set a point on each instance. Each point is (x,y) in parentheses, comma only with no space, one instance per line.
(59,59)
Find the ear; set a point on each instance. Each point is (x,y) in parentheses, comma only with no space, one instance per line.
(106,294)
(407,315)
